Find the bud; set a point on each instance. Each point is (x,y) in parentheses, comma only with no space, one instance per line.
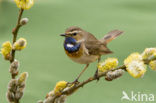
(16,88)
(108,64)
(22,78)
(148,53)
(10,96)
(6,50)
(14,68)
(20,44)
(132,57)
(21,86)
(24,4)
(152,65)
(60,86)
(12,85)
(18,94)
(24,21)
(114,74)
(136,68)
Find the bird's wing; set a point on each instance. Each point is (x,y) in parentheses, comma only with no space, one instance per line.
(95,47)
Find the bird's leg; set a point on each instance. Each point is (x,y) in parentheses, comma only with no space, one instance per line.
(76,80)
(96,73)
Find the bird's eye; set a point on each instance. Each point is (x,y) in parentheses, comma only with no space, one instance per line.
(74,34)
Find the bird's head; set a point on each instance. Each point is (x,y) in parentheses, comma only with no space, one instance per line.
(74,32)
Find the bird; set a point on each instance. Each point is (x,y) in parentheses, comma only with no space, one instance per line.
(84,48)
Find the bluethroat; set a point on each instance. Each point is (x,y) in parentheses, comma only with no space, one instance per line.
(84,48)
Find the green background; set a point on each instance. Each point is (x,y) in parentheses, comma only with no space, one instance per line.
(44,58)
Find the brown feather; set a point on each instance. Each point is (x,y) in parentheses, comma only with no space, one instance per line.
(94,46)
(111,36)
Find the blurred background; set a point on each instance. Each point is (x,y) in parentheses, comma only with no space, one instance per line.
(44,57)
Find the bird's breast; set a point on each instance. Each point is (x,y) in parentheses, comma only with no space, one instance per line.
(76,54)
(72,48)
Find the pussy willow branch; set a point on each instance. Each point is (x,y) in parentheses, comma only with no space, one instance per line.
(15,33)
(81,84)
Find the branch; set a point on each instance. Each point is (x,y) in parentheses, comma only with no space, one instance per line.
(72,89)
(16,86)
(15,33)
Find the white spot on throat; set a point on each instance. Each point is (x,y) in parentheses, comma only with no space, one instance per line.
(70,45)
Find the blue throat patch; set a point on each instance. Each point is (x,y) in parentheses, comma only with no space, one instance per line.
(70,45)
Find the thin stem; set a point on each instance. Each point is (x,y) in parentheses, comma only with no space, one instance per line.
(15,33)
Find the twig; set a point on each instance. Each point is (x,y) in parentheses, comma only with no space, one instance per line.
(77,86)
(15,33)
(14,64)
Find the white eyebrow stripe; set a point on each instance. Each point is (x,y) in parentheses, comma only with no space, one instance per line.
(76,31)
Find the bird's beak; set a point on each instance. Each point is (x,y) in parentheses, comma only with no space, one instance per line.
(63,35)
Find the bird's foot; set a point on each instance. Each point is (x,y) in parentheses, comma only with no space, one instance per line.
(75,81)
(96,76)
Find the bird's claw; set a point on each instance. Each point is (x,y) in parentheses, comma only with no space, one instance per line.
(96,76)
(74,82)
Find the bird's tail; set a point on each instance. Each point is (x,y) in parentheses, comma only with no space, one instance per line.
(111,36)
